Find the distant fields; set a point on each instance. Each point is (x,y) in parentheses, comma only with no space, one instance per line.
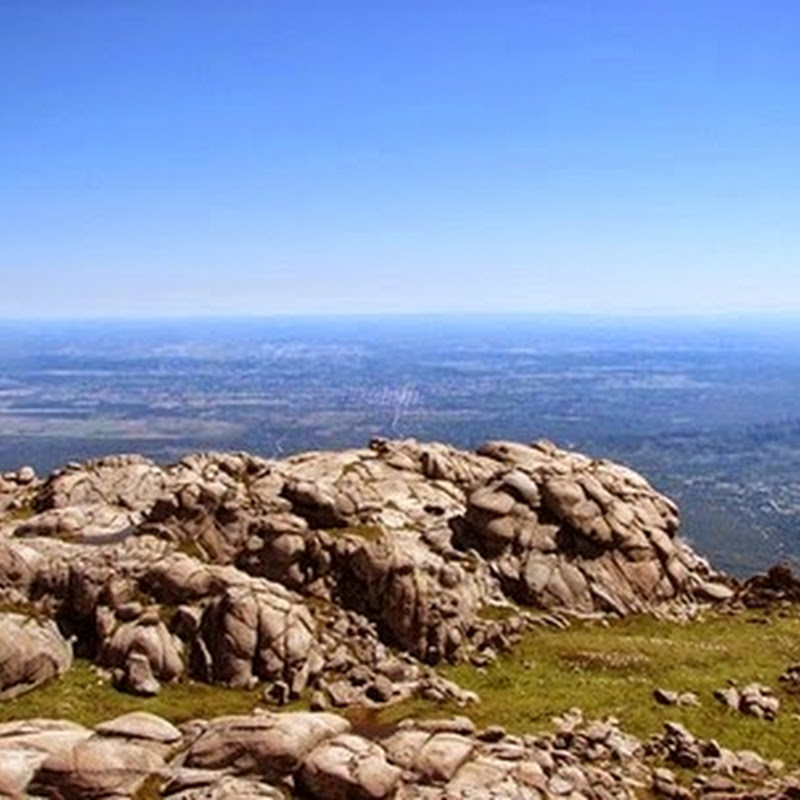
(707,409)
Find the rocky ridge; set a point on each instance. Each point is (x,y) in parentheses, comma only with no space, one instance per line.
(343,576)
(236,570)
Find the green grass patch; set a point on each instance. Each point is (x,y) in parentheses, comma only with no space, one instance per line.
(82,696)
(606,669)
(612,669)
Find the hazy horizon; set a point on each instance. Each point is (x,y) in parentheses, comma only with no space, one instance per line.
(733,317)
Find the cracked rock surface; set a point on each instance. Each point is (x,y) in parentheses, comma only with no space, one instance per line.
(321,757)
(345,577)
(342,572)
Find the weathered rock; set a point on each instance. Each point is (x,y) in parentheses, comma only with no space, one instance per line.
(441,756)
(25,746)
(144,646)
(137,676)
(764,589)
(191,784)
(315,756)
(754,699)
(141,726)
(31,652)
(415,540)
(258,631)
(125,481)
(270,745)
(97,767)
(671,698)
(348,767)
(592,536)
(90,523)
(17,768)
(249,629)
(19,565)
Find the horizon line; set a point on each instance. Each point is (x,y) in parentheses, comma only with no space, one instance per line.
(577,316)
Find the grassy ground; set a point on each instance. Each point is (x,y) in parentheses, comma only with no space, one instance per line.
(605,669)
(613,670)
(82,696)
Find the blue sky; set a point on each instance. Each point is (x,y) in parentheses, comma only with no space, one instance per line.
(177,158)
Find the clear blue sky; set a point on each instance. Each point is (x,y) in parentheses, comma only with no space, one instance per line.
(165,157)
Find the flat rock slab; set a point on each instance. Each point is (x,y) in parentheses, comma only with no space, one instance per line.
(272,745)
(96,767)
(142,726)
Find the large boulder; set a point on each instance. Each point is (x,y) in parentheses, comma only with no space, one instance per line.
(124,481)
(148,637)
(258,632)
(241,629)
(25,745)
(31,652)
(97,767)
(349,767)
(423,602)
(271,745)
(19,565)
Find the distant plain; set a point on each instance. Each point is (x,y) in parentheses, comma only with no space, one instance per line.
(706,408)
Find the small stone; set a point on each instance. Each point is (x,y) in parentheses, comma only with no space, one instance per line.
(751,764)
(278,692)
(138,676)
(381,690)
(492,733)
(318,701)
(729,697)
(26,475)
(560,786)
(665,697)
(688,699)
(342,694)
(442,755)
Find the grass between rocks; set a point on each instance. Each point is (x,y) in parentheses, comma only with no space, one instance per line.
(612,670)
(370,533)
(605,669)
(82,696)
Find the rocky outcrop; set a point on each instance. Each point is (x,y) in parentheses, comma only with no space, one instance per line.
(321,757)
(566,531)
(304,573)
(345,579)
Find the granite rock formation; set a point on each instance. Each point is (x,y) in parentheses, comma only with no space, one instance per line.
(320,756)
(343,572)
(345,578)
